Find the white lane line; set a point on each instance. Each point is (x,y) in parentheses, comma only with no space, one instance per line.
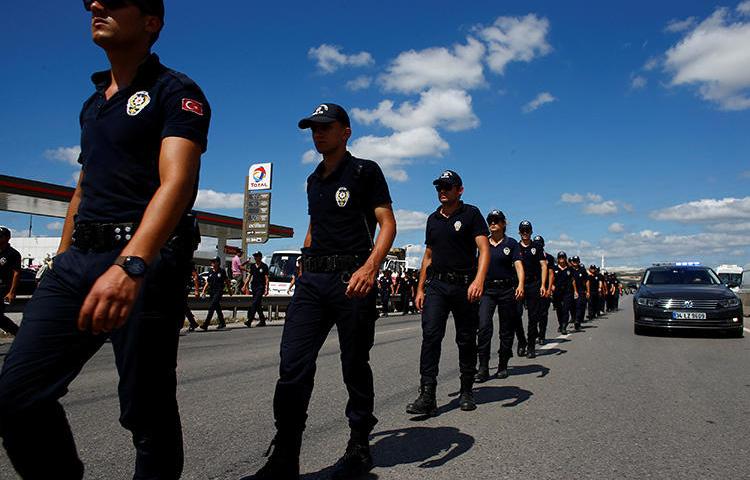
(746,329)
(395,330)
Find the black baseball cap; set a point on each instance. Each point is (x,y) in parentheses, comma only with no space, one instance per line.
(525,225)
(539,239)
(216,259)
(449,177)
(496,215)
(4,232)
(326,113)
(257,254)
(575,258)
(149,7)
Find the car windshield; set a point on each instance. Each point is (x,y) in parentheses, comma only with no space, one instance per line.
(282,267)
(731,279)
(693,276)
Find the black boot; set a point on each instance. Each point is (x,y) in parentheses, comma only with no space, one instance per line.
(502,368)
(483,373)
(283,464)
(531,353)
(466,399)
(356,461)
(521,350)
(425,404)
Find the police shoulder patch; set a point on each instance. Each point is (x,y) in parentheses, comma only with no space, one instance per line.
(137,102)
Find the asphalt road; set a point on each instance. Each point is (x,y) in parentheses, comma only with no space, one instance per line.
(594,405)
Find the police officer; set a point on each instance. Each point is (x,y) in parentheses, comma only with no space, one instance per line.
(454,233)
(216,281)
(564,292)
(546,299)
(347,198)
(535,271)
(195,284)
(122,261)
(503,288)
(258,280)
(594,290)
(603,291)
(582,293)
(406,289)
(10,272)
(384,285)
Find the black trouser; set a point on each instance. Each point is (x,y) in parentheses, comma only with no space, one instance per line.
(406,301)
(593,306)
(6,323)
(190,317)
(518,326)
(319,303)
(534,308)
(563,305)
(502,298)
(616,303)
(385,299)
(215,306)
(256,306)
(50,351)
(580,305)
(442,298)
(544,317)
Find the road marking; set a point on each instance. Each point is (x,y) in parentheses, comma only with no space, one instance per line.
(395,330)
(746,329)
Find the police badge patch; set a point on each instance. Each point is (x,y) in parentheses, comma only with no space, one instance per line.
(533,251)
(137,102)
(342,196)
(457,225)
(506,251)
(3,261)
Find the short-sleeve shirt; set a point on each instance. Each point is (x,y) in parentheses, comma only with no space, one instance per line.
(259,274)
(532,256)
(236,265)
(342,207)
(216,280)
(502,259)
(580,276)
(121,139)
(10,261)
(453,239)
(563,281)
(385,284)
(550,261)
(594,284)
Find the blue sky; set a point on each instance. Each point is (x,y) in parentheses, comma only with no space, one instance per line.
(617,128)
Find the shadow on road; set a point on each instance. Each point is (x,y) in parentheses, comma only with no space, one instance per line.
(550,351)
(529,369)
(431,447)
(483,395)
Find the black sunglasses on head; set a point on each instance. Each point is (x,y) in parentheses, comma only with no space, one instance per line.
(110,4)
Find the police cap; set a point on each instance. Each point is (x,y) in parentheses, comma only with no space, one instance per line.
(257,254)
(496,215)
(539,239)
(575,259)
(562,254)
(216,260)
(4,232)
(449,178)
(326,113)
(525,226)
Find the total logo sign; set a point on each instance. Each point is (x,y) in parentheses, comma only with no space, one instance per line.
(259,177)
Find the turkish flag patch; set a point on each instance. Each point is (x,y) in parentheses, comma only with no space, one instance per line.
(190,105)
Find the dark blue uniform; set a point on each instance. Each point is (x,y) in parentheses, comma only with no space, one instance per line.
(342,223)
(563,295)
(594,297)
(120,145)
(532,257)
(546,301)
(384,285)
(10,261)
(580,277)
(499,292)
(258,273)
(216,280)
(454,265)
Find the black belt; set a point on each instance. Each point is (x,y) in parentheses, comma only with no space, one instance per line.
(332,263)
(453,277)
(102,237)
(503,283)
(531,280)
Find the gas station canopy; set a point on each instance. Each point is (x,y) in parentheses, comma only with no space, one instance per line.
(46,199)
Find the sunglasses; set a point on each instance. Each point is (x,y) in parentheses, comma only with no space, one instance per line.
(443,187)
(494,220)
(525,232)
(110,4)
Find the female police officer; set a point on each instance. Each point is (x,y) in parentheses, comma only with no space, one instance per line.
(503,288)
(347,197)
(535,270)
(565,291)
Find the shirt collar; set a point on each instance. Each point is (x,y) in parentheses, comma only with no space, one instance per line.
(146,69)
(337,172)
(460,209)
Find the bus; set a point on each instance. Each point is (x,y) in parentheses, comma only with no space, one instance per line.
(280,272)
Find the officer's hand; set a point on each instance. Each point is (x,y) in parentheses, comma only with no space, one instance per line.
(361,282)
(542,292)
(519,292)
(266,293)
(110,301)
(419,300)
(588,296)
(475,291)
(9,298)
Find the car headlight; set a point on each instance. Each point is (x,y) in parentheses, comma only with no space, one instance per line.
(647,302)
(729,303)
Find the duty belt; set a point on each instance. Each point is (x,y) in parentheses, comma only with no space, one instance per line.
(529,280)
(332,263)
(101,237)
(504,283)
(453,277)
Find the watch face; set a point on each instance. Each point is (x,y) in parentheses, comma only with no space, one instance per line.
(135,266)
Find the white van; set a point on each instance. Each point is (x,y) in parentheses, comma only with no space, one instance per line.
(281,269)
(731,275)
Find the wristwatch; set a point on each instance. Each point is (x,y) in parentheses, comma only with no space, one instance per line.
(134,266)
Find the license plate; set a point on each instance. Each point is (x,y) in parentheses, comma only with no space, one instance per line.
(688,316)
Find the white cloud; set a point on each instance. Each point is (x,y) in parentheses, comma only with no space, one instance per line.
(398,149)
(616,228)
(541,99)
(607,207)
(55,226)
(677,26)
(730,227)
(571,198)
(637,82)
(362,82)
(410,220)
(330,58)
(594,197)
(210,199)
(515,39)
(651,64)
(311,156)
(714,56)
(459,67)
(450,109)
(744,7)
(68,155)
(706,210)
